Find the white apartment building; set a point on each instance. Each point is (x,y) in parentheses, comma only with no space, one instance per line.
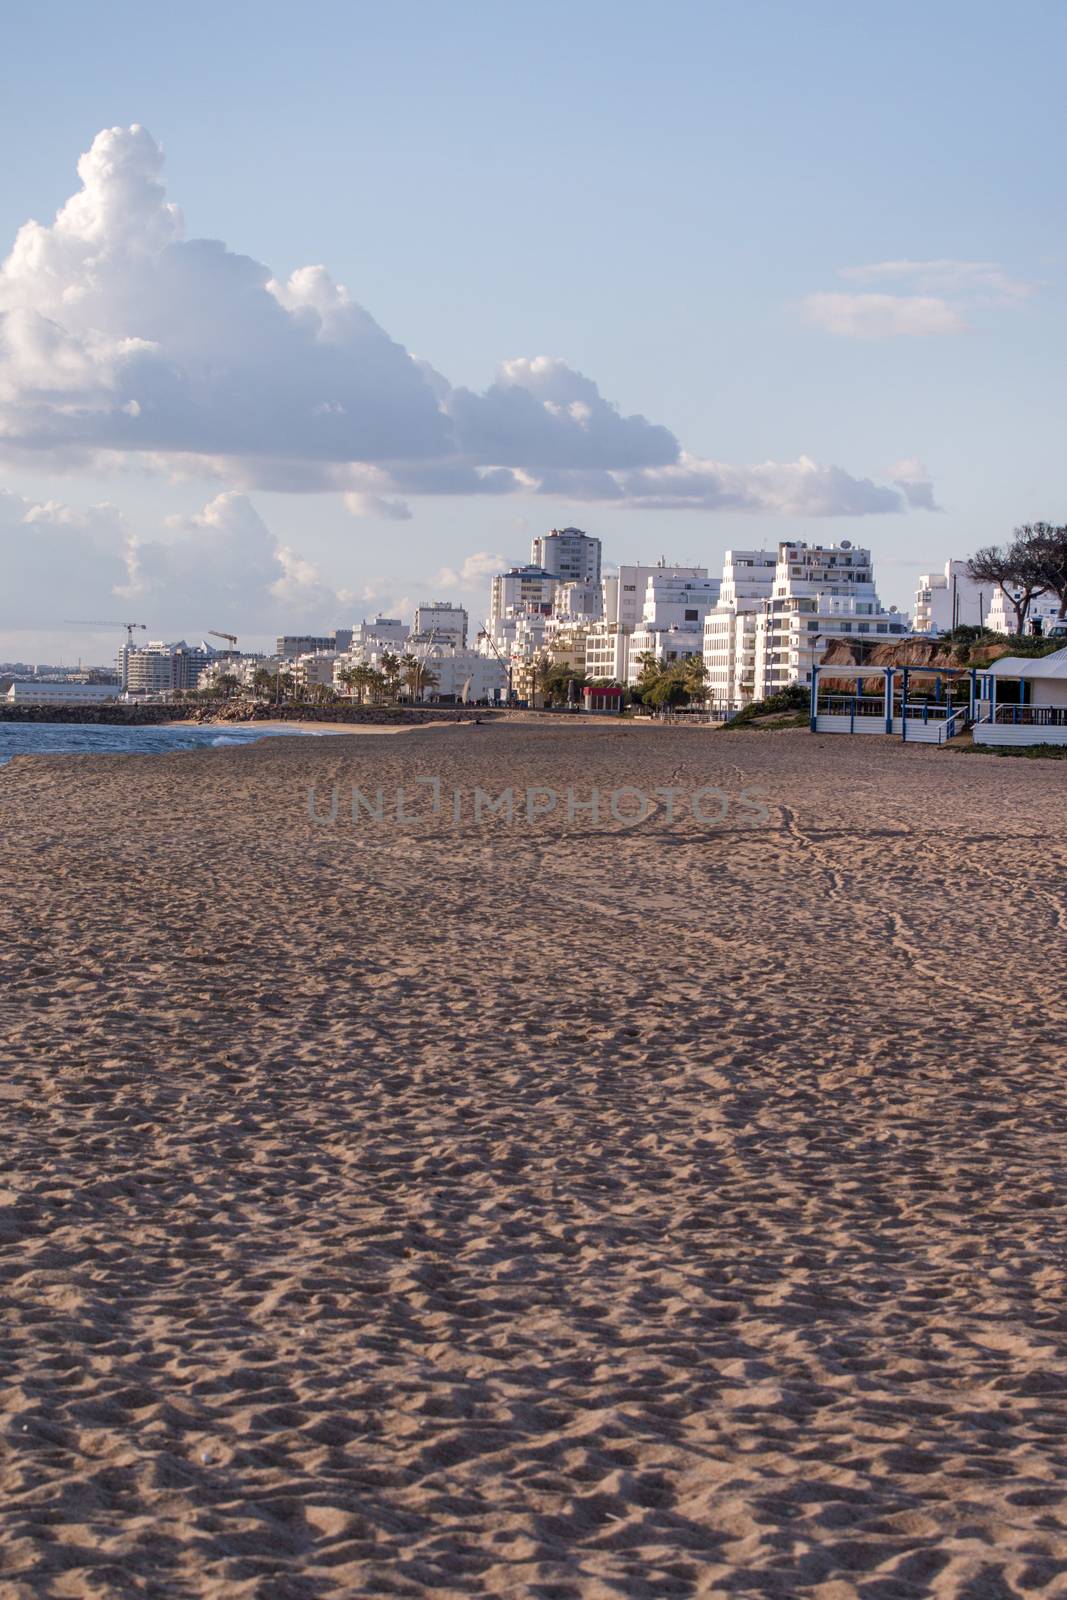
(574,602)
(623,600)
(462,675)
(730,627)
(528,588)
(159,668)
(520,634)
(1000,618)
(820,592)
(442,622)
(388,633)
(672,619)
(567,554)
(314,670)
(950,599)
(242,667)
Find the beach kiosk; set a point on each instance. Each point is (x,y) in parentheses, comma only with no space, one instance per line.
(919,704)
(1023,701)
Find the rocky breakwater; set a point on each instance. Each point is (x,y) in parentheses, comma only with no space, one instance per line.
(115,714)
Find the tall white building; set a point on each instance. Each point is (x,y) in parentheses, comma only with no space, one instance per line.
(672,619)
(730,628)
(567,554)
(442,622)
(950,599)
(528,588)
(160,668)
(820,593)
(387,633)
(608,640)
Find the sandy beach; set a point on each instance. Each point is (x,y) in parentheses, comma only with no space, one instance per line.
(567,1208)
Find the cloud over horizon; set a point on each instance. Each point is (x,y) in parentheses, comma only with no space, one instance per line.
(219,567)
(122,339)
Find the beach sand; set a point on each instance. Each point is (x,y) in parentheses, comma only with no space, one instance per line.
(562,1210)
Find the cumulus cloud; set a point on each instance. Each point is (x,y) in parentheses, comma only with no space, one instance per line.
(122,338)
(57,561)
(474,570)
(223,563)
(941,295)
(915,483)
(801,488)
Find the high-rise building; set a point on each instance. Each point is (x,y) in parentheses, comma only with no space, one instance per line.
(160,668)
(672,618)
(623,603)
(528,588)
(730,628)
(444,623)
(568,554)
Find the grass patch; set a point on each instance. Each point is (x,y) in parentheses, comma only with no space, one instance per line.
(1032,752)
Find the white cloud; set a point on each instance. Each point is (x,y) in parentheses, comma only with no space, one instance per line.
(945,277)
(220,567)
(915,483)
(58,562)
(942,294)
(882,316)
(475,569)
(377,505)
(801,488)
(120,338)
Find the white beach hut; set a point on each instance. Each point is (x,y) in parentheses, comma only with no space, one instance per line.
(1023,700)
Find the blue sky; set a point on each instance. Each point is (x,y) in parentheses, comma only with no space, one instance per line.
(652,195)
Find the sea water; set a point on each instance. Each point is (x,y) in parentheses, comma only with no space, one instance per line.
(84,739)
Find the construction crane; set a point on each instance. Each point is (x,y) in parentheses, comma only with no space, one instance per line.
(232,637)
(129,626)
(486,634)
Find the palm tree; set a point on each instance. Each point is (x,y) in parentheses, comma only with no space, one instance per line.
(361,679)
(416,676)
(695,678)
(349,678)
(544,676)
(390,665)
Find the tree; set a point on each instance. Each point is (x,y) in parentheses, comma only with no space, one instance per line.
(695,678)
(390,664)
(1016,571)
(263,681)
(358,680)
(226,684)
(543,676)
(416,676)
(1048,546)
